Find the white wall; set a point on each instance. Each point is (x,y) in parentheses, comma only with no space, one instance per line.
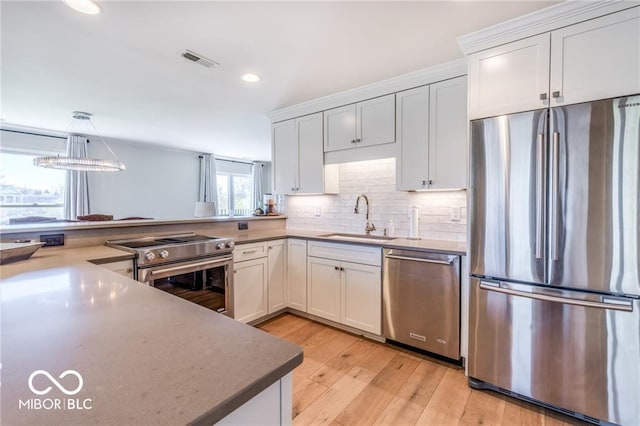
(376,179)
(158,182)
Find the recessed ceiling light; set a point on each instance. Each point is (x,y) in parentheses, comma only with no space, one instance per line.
(85,6)
(251,78)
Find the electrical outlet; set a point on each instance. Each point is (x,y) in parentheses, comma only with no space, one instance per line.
(243,226)
(455,214)
(318,212)
(52,240)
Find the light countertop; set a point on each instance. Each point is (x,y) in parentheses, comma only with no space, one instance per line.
(439,246)
(85,225)
(145,356)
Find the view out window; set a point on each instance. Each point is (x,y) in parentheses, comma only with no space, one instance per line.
(27,190)
(234,194)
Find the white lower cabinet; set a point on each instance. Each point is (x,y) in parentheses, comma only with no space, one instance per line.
(251,275)
(361,297)
(250,289)
(297,274)
(260,279)
(323,288)
(277,275)
(345,292)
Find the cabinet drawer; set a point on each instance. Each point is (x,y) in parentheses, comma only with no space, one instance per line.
(249,251)
(356,253)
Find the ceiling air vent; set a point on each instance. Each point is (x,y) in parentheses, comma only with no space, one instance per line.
(198,59)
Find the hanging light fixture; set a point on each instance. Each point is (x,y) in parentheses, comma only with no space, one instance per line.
(81,163)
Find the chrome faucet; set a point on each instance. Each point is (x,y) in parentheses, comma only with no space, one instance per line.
(368,227)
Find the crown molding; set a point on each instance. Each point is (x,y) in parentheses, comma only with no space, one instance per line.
(541,21)
(413,79)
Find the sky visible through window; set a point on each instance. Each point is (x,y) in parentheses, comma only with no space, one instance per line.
(27,190)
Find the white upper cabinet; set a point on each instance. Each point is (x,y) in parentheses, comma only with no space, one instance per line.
(366,123)
(310,154)
(376,121)
(448,130)
(509,78)
(298,164)
(340,128)
(412,159)
(596,59)
(432,136)
(285,157)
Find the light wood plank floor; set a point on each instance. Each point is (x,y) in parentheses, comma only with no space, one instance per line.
(349,380)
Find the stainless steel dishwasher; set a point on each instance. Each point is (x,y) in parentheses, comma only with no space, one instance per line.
(421,300)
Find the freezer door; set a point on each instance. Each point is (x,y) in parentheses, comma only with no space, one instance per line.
(507,196)
(594,201)
(570,349)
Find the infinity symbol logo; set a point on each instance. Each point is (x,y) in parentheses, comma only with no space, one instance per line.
(55,382)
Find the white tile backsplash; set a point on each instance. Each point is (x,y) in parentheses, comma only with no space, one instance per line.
(376,179)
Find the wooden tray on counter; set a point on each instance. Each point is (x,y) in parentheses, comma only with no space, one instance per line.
(12,252)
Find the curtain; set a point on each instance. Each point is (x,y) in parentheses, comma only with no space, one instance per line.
(208,184)
(76,192)
(257,184)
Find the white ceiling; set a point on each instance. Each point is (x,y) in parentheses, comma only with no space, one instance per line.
(123,65)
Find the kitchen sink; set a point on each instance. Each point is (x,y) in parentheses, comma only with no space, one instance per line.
(357,237)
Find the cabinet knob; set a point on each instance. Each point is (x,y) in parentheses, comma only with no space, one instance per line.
(556,94)
(293,189)
(543,96)
(353,141)
(424,183)
(336,268)
(358,140)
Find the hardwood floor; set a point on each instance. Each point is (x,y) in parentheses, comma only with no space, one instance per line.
(348,380)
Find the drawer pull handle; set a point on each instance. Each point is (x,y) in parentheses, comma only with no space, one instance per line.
(417,259)
(249,251)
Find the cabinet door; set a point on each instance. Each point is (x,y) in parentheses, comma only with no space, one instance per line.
(323,288)
(340,128)
(376,121)
(311,154)
(596,59)
(509,78)
(250,290)
(361,290)
(448,130)
(277,275)
(285,157)
(297,274)
(412,138)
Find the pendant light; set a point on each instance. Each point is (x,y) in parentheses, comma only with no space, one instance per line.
(81,163)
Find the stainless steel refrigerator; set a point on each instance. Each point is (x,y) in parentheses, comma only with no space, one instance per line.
(555,267)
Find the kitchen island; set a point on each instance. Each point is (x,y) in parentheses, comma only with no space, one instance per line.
(138,355)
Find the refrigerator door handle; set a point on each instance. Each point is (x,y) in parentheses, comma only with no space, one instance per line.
(589,301)
(555,194)
(541,173)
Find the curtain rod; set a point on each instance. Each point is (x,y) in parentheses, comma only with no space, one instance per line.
(230,161)
(31,133)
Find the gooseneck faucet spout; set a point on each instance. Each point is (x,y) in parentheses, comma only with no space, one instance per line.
(368,227)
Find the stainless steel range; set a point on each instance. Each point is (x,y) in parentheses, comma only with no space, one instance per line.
(194,267)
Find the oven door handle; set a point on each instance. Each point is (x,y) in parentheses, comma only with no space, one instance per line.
(158,273)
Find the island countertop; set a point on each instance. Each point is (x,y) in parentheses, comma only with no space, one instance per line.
(145,356)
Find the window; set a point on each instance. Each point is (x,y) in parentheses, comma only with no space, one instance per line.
(235,187)
(27,190)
